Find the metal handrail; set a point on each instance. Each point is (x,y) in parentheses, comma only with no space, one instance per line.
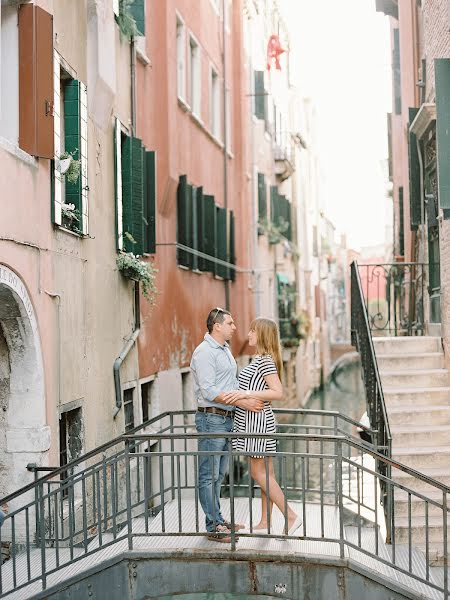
(151,480)
(376,405)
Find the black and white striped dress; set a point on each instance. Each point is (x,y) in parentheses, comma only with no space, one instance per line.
(245,421)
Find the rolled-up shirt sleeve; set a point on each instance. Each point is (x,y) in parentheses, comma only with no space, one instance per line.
(204,365)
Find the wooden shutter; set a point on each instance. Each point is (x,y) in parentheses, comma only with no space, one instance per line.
(201,228)
(72,138)
(442,77)
(274,212)
(210,238)
(133,194)
(36,81)
(118,183)
(232,247)
(137,9)
(396,73)
(262,197)
(414,176)
(194,227)
(150,202)
(183,221)
(56,177)
(84,159)
(221,236)
(401,231)
(259,95)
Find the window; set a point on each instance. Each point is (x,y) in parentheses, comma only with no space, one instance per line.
(128,397)
(215,104)
(206,227)
(70,198)
(147,390)
(137,10)
(195,76)
(262,197)
(396,73)
(280,212)
(181,59)
(70,440)
(260,104)
(135,190)
(9,72)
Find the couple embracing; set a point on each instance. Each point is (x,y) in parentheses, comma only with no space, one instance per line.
(227,403)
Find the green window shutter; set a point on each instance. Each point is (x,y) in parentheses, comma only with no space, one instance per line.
(150,202)
(209,238)
(259,95)
(184,217)
(262,197)
(221,236)
(232,247)
(84,159)
(133,194)
(396,73)
(137,9)
(414,176)
(442,76)
(194,227)
(72,139)
(274,204)
(201,228)
(401,232)
(118,183)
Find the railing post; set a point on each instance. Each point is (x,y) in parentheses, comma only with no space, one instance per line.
(172,459)
(445,515)
(42,533)
(231,482)
(341,504)
(128,492)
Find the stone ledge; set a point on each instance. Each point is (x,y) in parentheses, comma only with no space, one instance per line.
(28,439)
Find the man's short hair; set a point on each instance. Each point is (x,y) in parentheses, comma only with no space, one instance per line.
(216,315)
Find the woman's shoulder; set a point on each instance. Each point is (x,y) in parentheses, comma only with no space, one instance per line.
(267,364)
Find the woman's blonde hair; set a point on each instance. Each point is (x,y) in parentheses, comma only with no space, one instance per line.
(268,340)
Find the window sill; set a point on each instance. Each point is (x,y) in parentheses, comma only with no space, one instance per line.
(142,57)
(203,127)
(69,231)
(17,152)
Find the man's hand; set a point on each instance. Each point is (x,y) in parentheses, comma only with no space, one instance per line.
(234,396)
(251,404)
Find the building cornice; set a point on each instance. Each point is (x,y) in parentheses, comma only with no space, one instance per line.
(423,119)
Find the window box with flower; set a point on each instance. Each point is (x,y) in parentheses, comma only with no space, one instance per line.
(132,267)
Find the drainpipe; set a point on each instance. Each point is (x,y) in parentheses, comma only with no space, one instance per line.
(123,354)
(137,306)
(225,139)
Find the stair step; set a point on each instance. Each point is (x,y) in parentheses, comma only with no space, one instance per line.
(421,457)
(410,362)
(410,395)
(407,345)
(414,435)
(442,475)
(418,505)
(418,530)
(419,415)
(421,378)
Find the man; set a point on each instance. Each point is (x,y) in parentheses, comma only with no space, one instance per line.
(214,372)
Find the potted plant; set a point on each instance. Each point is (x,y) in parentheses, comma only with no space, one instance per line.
(126,20)
(71,217)
(69,166)
(132,267)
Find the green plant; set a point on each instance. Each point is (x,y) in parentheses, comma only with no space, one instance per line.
(73,172)
(71,218)
(301,325)
(275,233)
(126,21)
(133,268)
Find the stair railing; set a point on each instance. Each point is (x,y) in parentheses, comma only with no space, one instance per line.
(148,475)
(361,337)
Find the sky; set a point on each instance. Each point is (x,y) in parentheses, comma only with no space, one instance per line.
(341,59)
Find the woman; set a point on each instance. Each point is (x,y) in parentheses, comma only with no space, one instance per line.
(261,379)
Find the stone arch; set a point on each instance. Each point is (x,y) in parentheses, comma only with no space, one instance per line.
(24,435)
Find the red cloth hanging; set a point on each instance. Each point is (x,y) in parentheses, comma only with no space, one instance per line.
(274,50)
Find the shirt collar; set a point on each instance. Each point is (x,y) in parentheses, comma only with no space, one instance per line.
(212,342)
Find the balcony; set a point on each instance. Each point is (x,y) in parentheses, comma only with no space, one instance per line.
(284,162)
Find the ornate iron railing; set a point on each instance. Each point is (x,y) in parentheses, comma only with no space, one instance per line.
(394,297)
(148,472)
(376,407)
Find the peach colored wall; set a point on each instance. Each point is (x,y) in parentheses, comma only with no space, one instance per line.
(183,146)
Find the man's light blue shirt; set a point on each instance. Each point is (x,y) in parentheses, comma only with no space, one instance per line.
(214,371)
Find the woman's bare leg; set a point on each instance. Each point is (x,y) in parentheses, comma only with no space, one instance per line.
(276,496)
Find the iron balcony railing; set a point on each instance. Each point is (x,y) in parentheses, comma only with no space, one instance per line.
(394,297)
(144,473)
(376,406)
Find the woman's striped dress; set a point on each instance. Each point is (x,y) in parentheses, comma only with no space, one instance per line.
(245,421)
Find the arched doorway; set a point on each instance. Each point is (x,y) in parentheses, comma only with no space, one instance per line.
(24,435)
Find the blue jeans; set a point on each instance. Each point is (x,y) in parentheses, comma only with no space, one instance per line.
(2,517)
(212,469)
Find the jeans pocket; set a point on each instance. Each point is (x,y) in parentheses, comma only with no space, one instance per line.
(215,420)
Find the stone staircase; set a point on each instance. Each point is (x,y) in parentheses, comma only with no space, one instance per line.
(417,393)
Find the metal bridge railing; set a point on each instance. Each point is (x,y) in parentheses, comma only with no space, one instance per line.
(138,474)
